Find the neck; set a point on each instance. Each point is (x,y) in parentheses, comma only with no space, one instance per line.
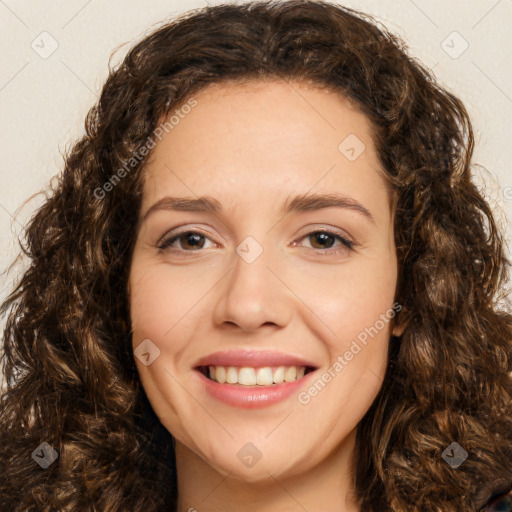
(328,486)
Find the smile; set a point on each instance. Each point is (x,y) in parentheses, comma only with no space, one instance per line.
(253,376)
(252,396)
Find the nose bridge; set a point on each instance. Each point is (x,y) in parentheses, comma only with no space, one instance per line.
(252,295)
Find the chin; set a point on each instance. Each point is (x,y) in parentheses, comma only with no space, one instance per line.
(268,466)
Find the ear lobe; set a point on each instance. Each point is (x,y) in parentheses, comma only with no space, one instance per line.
(399,322)
(398,330)
(399,325)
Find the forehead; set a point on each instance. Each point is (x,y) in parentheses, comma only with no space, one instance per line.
(275,136)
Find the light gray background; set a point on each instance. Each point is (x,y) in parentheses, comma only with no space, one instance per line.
(44,98)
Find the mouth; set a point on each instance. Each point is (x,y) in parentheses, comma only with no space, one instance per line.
(262,376)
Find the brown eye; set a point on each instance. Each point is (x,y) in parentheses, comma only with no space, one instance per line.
(192,240)
(320,239)
(188,241)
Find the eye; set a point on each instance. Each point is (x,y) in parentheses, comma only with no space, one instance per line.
(326,237)
(187,239)
(193,241)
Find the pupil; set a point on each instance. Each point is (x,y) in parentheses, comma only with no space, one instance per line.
(322,237)
(191,237)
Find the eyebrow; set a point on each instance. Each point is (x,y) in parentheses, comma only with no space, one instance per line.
(299,203)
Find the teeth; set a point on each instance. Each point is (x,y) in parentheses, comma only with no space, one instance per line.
(290,374)
(264,377)
(220,374)
(247,376)
(279,375)
(231,375)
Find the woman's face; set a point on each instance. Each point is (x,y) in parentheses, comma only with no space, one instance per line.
(259,285)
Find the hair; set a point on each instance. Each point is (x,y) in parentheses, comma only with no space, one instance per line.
(71,380)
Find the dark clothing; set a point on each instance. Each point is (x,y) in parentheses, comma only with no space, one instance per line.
(500,503)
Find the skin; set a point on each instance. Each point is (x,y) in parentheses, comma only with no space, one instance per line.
(252,146)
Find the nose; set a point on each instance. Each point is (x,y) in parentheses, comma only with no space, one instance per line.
(253,295)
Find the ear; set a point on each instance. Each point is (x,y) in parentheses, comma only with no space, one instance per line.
(399,324)
(398,330)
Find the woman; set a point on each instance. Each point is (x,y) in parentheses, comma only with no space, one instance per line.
(266,371)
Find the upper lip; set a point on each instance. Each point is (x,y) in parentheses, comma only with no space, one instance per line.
(252,358)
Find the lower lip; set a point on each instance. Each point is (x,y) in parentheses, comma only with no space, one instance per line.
(250,397)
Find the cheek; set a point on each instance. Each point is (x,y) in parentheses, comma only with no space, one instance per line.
(349,299)
(159,298)
(345,299)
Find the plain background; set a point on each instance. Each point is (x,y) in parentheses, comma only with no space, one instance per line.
(44,98)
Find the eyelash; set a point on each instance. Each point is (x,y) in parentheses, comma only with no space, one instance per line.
(348,244)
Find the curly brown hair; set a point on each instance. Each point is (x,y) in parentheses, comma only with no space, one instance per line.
(71,380)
